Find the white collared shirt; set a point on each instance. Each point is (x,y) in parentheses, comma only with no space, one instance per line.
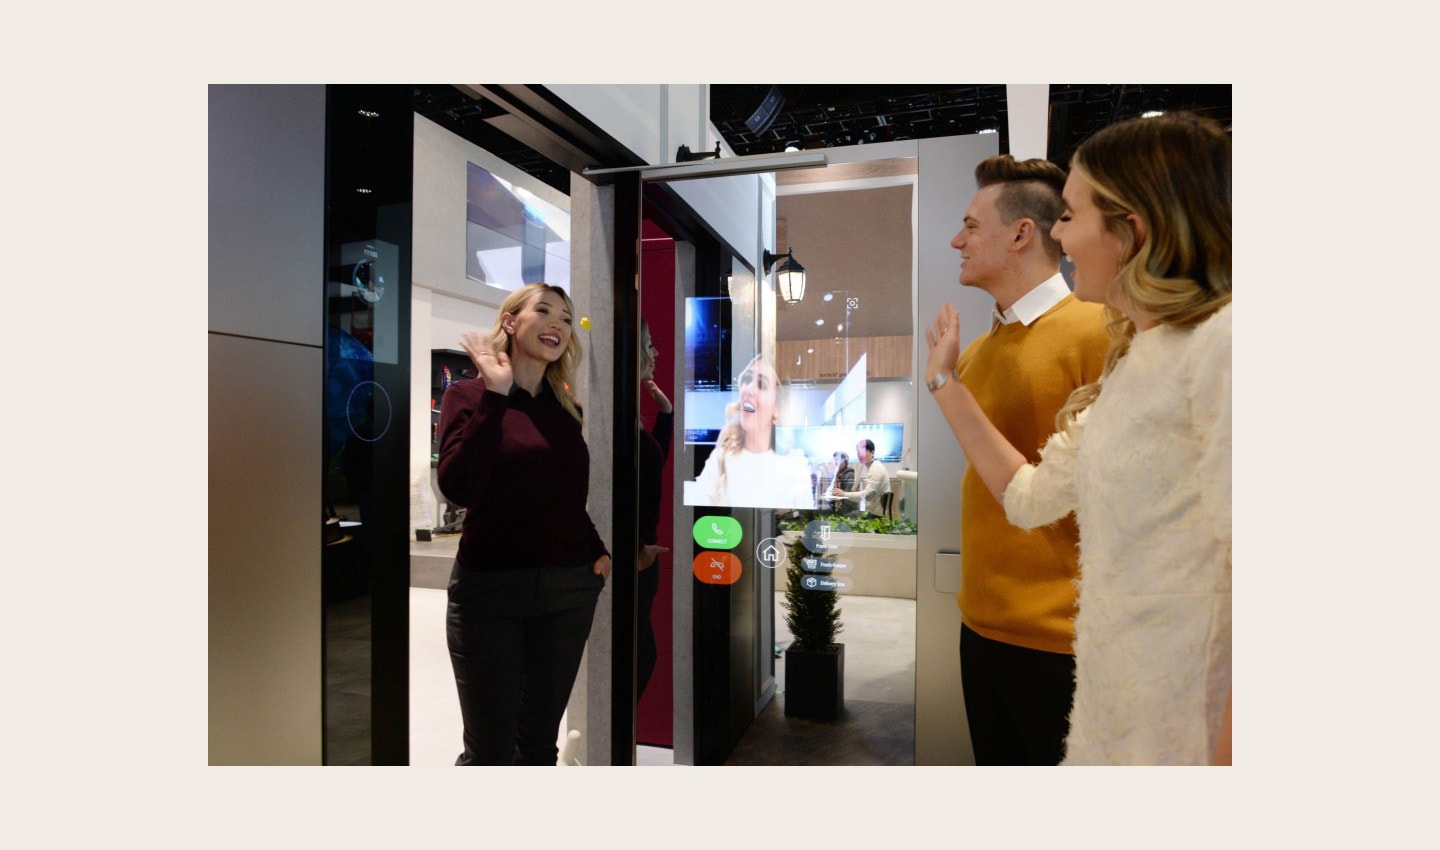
(1035,303)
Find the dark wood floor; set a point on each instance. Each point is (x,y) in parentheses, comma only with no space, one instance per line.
(866,734)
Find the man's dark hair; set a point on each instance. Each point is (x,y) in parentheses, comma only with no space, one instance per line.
(1030,189)
(870,446)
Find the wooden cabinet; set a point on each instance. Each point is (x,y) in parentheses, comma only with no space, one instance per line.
(888,357)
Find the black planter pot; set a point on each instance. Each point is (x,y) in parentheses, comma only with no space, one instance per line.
(815,683)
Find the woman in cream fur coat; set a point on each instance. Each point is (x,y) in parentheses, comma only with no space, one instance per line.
(1143,456)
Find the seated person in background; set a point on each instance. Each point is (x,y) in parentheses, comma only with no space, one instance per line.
(874,481)
(842,479)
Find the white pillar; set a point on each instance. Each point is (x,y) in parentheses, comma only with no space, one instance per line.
(592,275)
(1028,113)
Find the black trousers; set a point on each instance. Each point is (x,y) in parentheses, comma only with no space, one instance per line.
(516,638)
(1017,700)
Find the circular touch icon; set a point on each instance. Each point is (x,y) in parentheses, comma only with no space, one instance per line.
(367,411)
(826,537)
(826,564)
(824,584)
(368,282)
(770,553)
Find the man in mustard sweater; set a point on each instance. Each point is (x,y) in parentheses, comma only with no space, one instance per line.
(1017,593)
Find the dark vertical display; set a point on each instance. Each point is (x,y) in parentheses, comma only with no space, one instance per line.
(655,708)
(625,490)
(724,627)
(718,551)
(369,156)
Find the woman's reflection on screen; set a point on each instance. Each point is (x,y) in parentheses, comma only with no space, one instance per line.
(744,470)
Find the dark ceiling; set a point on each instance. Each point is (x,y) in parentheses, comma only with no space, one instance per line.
(821,116)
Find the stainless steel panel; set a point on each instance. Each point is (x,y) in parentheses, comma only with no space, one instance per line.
(267,212)
(264,560)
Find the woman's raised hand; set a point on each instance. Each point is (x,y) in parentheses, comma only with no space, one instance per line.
(648,553)
(943,338)
(731,437)
(658,396)
(494,366)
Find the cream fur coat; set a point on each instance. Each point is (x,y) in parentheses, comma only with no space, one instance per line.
(1147,472)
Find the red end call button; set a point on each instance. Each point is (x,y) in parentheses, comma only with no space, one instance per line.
(717,567)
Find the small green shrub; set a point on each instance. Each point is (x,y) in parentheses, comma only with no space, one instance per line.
(863,524)
(812,615)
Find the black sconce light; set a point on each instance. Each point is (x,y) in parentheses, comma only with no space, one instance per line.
(790,277)
(684,154)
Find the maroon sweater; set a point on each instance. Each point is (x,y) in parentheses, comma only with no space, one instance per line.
(520,468)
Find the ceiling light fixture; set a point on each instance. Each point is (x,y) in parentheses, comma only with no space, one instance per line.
(790,277)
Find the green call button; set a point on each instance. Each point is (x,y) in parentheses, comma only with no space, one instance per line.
(717,532)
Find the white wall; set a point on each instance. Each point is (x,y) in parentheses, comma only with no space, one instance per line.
(730,206)
(444,302)
(436,321)
(947,181)
(438,249)
(653,121)
(1027,109)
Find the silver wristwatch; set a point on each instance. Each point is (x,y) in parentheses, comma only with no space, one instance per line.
(937,382)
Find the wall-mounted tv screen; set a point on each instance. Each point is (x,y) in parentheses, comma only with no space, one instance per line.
(512,237)
(707,367)
(707,344)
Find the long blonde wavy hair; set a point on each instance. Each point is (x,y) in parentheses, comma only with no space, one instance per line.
(560,375)
(732,437)
(1173,171)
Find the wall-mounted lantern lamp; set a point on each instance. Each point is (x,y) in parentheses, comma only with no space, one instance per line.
(790,277)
